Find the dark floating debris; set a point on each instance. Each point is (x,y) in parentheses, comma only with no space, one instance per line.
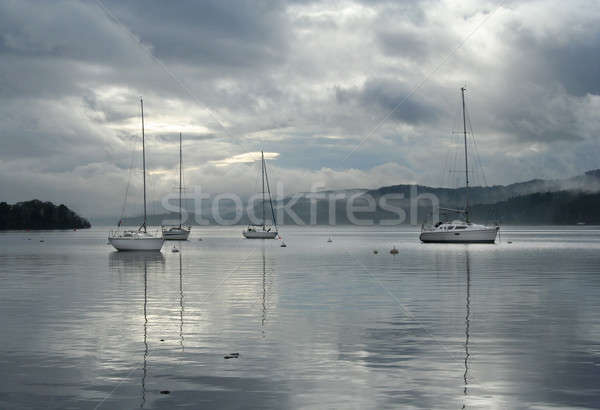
(41,240)
(162,340)
(199,239)
(165,392)
(375,251)
(394,251)
(231,356)
(509,241)
(283,245)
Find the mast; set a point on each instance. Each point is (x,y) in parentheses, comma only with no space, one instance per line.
(143,164)
(262,168)
(180,173)
(462,90)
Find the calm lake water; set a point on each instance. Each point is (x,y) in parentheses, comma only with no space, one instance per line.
(316,324)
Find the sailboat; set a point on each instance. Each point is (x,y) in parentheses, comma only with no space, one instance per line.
(460,231)
(140,239)
(179,232)
(262,230)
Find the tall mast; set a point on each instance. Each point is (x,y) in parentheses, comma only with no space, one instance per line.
(462,90)
(262,168)
(144,163)
(180,173)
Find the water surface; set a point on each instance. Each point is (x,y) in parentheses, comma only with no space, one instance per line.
(316,324)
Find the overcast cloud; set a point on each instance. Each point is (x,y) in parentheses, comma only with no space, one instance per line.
(306,81)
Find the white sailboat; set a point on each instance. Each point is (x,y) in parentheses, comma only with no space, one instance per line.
(460,231)
(140,239)
(263,231)
(178,232)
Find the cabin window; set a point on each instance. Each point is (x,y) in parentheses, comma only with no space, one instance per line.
(461,227)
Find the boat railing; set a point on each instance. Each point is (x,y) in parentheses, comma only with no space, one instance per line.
(132,233)
(168,227)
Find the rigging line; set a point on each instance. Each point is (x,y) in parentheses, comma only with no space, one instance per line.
(270,200)
(424,80)
(476,149)
(157,60)
(130,171)
(445,177)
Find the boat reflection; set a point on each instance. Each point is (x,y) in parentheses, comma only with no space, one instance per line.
(134,261)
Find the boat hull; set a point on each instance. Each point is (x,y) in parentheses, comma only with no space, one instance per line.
(259,235)
(176,235)
(137,244)
(466,236)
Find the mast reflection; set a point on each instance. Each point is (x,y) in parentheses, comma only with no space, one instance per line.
(467,324)
(130,263)
(145,336)
(264,292)
(181,304)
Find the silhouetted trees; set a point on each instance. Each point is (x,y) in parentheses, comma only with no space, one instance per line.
(36,214)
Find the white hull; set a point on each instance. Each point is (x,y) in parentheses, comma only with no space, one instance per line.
(176,234)
(136,244)
(487,235)
(259,235)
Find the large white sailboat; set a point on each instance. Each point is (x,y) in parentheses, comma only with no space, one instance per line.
(262,230)
(179,232)
(140,239)
(460,231)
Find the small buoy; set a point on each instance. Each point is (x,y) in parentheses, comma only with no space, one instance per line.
(162,340)
(283,245)
(165,392)
(509,241)
(394,251)
(375,251)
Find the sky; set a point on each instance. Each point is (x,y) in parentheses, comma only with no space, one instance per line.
(339,94)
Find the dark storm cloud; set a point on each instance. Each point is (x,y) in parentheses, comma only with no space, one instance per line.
(233,34)
(570,58)
(386,95)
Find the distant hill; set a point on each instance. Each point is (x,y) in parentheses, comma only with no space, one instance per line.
(36,214)
(454,197)
(544,208)
(562,201)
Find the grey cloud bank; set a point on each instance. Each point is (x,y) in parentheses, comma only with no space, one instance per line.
(306,80)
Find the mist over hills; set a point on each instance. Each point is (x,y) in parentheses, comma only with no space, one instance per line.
(455,197)
(559,201)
